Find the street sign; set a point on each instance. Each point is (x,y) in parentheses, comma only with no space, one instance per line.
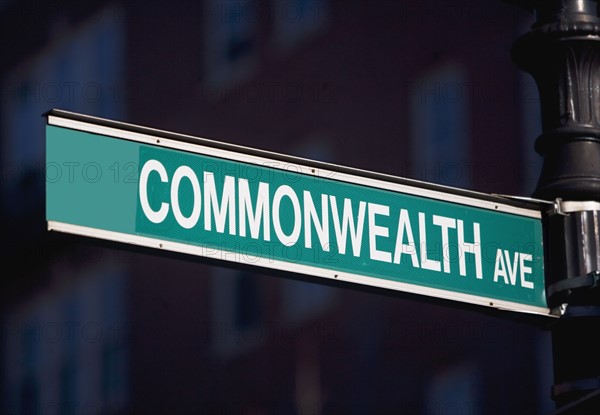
(142,186)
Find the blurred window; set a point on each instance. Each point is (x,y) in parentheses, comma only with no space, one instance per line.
(298,20)
(231,43)
(440,136)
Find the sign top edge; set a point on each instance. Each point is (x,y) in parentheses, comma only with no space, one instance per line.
(528,204)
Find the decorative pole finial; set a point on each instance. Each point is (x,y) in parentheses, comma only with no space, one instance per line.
(562,53)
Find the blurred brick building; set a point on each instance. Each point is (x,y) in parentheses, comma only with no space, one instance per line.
(421,89)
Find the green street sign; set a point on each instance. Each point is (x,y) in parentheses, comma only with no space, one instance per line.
(137,185)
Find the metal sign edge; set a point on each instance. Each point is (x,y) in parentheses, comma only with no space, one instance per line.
(219,254)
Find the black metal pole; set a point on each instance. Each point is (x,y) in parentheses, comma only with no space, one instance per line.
(562,53)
